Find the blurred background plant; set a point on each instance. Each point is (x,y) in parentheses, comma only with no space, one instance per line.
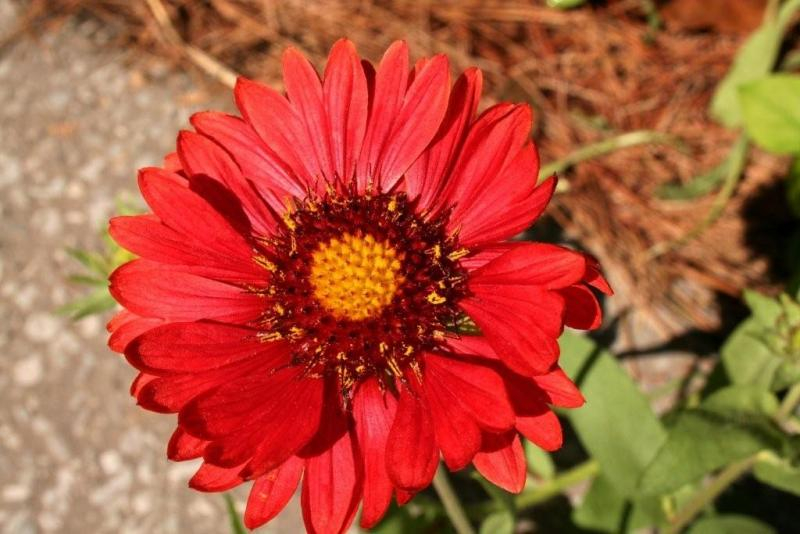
(676,129)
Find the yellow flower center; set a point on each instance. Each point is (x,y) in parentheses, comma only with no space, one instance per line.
(355,276)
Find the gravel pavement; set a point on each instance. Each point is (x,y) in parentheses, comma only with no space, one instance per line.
(78,117)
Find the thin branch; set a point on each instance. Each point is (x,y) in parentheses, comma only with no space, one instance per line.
(207,63)
(709,493)
(626,140)
(556,486)
(738,158)
(449,498)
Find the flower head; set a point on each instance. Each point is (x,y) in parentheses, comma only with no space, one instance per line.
(305,275)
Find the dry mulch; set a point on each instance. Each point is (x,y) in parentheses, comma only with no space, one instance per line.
(589,73)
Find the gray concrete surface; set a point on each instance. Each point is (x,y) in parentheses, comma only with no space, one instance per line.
(77,118)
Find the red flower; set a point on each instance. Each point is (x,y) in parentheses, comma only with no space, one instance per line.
(304,273)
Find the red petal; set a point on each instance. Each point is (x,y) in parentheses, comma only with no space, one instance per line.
(279,410)
(476,388)
(386,101)
(192,218)
(457,434)
(493,140)
(141,380)
(213,478)
(486,253)
(273,178)
(169,394)
(535,420)
(153,290)
(125,327)
(541,264)
(594,277)
(502,461)
(145,236)
(200,155)
(304,91)
(411,455)
(271,492)
(332,483)
(291,421)
(183,446)
(560,390)
(543,429)
(172,163)
(198,346)
(275,122)
(503,213)
(418,120)
(426,176)
(582,309)
(472,346)
(517,339)
(404,496)
(374,412)
(346,102)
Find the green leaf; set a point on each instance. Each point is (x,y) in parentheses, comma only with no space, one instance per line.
(742,399)
(503,499)
(793,187)
(771,111)
(777,472)
(421,515)
(539,461)
(765,309)
(700,185)
(616,425)
(97,301)
(565,4)
(754,60)
(604,509)
(84,280)
(728,524)
(747,358)
(498,523)
(93,261)
(233,516)
(728,426)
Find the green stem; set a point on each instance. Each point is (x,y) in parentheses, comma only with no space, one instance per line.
(546,491)
(638,137)
(556,485)
(709,493)
(455,511)
(788,405)
(738,157)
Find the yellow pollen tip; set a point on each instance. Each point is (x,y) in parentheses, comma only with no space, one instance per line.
(355,276)
(435,298)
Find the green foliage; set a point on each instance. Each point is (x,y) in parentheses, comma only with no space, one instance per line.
(728,524)
(617,425)
(501,522)
(771,111)
(700,185)
(793,187)
(754,60)
(423,514)
(565,4)
(764,351)
(233,516)
(97,267)
(730,425)
(540,462)
(777,472)
(604,509)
